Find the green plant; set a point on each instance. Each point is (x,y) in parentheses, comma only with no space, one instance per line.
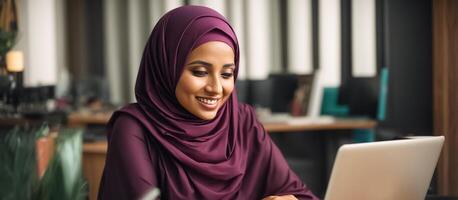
(18,176)
(18,173)
(63,178)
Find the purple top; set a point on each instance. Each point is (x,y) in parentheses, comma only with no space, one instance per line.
(157,143)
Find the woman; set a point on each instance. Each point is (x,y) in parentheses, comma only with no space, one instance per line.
(187,134)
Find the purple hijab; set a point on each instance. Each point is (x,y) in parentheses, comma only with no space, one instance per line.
(228,157)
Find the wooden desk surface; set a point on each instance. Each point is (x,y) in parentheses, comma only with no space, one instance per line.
(83,119)
(99,147)
(94,155)
(337,124)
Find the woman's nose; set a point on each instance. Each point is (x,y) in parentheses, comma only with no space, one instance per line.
(214,85)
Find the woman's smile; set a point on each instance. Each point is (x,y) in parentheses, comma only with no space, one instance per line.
(208,103)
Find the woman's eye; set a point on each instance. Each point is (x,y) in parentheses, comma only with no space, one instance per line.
(227,75)
(199,73)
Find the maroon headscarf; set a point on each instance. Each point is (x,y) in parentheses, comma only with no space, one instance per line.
(228,157)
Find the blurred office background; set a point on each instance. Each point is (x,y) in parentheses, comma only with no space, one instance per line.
(390,63)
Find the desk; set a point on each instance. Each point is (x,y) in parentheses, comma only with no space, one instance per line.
(337,124)
(94,153)
(93,163)
(84,119)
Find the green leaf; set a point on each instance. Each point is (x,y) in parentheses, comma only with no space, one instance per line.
(18,177)
(18,173)
(63,178)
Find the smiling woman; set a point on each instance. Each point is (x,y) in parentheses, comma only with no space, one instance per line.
(207,80)
(187,134)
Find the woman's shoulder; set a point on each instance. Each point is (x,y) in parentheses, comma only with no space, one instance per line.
(126,125)
(126,118)
(125,114)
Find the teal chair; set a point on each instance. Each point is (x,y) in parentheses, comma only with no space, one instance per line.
(331,107)
(368,135)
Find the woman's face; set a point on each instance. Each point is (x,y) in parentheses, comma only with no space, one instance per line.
(207,79)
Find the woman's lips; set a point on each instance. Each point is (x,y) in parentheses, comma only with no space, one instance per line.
(208,103)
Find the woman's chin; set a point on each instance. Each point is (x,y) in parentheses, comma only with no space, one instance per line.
(207,116)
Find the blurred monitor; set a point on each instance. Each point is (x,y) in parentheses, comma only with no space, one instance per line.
(287,88)
(361,94)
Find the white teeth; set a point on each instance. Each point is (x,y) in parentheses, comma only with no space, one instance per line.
(207,101)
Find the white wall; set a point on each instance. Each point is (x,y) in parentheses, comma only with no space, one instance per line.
(329,42)
(258,39)
(218,5)
(276,65)
(138,35)
(113,53)
(141,15)
(236,17)
(38,40)
(300,48)
(364,56)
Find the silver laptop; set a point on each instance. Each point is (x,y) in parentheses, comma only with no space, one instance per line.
(398,169)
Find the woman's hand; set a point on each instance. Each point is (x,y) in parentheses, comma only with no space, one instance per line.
(285,197)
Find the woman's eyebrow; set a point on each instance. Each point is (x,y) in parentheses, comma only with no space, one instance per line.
(209,64)
(201,63)
(228,65)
